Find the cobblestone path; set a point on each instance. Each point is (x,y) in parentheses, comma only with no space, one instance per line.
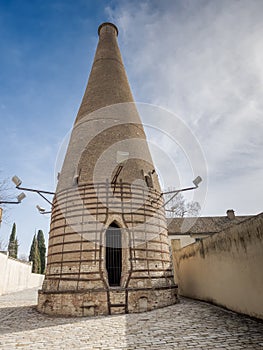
(188,325)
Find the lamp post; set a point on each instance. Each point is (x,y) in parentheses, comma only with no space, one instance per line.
(19,198)
(196,183)
(18,182)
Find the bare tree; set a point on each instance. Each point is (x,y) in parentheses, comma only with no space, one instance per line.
(23,257)
(4,187)
(179,207)
(5,195)
(3,245)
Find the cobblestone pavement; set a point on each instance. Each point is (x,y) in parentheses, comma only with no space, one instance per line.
(187,325)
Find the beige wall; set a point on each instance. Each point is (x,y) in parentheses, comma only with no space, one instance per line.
(16,275)
(226,268)
(183,239)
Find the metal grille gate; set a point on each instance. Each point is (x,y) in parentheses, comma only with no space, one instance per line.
(114,254)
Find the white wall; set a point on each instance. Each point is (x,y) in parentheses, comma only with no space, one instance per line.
(225,269)
(16,275)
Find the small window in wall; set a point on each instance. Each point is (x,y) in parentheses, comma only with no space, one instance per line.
(114,254)
(148,180)
(75,180)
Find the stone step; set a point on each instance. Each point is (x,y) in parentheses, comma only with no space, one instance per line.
(117,305)
(117,309)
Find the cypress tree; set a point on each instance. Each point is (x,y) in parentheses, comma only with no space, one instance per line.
(13,243)
(34,256)
(16,247)
(42,250)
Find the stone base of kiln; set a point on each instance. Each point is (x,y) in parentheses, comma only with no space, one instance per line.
(97,302)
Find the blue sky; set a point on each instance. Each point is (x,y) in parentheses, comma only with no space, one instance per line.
(201,60)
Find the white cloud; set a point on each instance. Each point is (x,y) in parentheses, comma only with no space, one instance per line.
(203,60)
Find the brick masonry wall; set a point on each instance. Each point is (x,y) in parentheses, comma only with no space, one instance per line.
(76,280)
(88,200)
(107,124)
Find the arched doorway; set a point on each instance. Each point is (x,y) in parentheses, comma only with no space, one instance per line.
(114,254)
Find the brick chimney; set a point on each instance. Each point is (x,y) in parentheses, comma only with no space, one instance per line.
(230,214)
(108,243)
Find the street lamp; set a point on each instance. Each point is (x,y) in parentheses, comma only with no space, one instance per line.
(19,198)
(42,210)
(18,182)
(196,182)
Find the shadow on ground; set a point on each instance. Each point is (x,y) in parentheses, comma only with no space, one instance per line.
(25,318)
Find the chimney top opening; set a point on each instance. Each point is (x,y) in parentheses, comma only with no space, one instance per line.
(105,24)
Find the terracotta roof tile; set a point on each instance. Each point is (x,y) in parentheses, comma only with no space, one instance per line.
(208,224)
